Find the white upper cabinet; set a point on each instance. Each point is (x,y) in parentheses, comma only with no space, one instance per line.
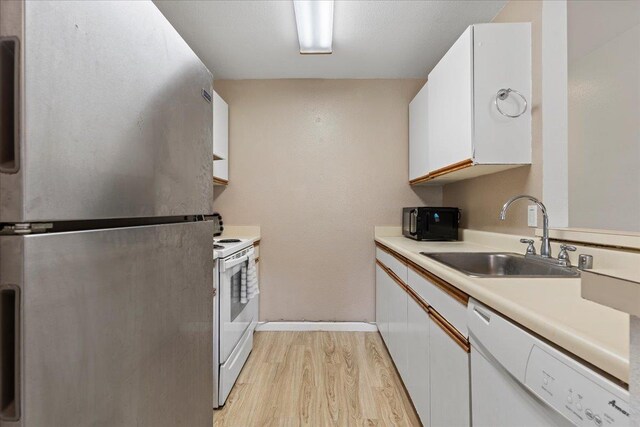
(502,60)
(418,155)
(220,140)
(467,134)
(450,101)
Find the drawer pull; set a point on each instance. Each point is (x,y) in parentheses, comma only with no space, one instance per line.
(417,298)
(454,292)
(450,330)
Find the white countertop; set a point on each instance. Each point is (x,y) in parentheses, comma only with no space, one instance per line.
(552,308)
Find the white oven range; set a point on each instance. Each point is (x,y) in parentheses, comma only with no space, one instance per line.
(234,319)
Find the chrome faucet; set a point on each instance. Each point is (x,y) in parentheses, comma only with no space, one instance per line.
(545,247)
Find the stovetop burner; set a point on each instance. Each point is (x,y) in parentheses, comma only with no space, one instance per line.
(229,241)
(218,247)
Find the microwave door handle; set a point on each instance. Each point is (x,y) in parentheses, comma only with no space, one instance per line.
(413,223)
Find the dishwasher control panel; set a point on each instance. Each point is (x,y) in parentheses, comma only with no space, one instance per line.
(567,386)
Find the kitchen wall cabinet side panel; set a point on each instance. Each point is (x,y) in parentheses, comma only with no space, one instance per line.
(419,135)
(220,138)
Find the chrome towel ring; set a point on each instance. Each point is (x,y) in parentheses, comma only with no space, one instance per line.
(504,94)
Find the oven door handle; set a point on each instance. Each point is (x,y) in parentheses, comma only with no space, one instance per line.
(233,262)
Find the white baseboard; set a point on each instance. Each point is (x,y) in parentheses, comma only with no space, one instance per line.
(317,326)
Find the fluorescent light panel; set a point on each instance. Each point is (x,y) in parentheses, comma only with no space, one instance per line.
(314,20)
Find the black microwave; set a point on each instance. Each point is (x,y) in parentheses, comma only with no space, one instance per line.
(427,223)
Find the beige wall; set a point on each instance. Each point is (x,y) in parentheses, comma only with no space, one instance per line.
(318,163)
(604,130)
(481,198)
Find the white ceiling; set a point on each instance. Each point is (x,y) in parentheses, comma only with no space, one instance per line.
(371,39)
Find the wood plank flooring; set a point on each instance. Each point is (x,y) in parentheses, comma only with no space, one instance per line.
(317,379)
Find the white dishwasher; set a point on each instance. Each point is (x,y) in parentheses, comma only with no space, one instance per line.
(519,380)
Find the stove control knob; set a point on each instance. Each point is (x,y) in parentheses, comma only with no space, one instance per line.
(597,420)
(588,413)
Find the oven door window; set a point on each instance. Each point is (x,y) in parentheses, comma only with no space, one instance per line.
(236,305)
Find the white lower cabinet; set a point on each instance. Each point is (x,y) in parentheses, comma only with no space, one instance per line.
(397,342)
(451,309)
(382,302)
(417,381)
(449,380)
(433,365)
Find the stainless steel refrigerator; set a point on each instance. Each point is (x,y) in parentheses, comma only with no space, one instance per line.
(105,253)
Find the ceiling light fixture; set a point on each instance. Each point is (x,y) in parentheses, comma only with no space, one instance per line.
(314,19)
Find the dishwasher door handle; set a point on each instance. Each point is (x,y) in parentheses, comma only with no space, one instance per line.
(482,314)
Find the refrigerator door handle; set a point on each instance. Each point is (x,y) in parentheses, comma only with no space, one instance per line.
(9,105)
(9,353)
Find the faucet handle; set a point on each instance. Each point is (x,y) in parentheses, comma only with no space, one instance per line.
(564,253)
(531,250)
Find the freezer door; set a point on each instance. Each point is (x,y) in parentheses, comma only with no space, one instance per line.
(115,114)
(116,327)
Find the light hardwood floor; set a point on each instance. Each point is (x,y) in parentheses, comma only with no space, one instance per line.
(317,379)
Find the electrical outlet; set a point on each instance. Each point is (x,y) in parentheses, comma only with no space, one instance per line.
(532,216)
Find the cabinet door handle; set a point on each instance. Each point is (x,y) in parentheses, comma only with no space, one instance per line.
(504,94)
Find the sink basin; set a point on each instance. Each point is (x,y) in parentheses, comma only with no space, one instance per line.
(499,264)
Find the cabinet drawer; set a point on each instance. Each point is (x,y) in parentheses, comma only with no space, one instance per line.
(451,309)
(230,370)
(397,266)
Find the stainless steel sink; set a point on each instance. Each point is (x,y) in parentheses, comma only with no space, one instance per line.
(499,264)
